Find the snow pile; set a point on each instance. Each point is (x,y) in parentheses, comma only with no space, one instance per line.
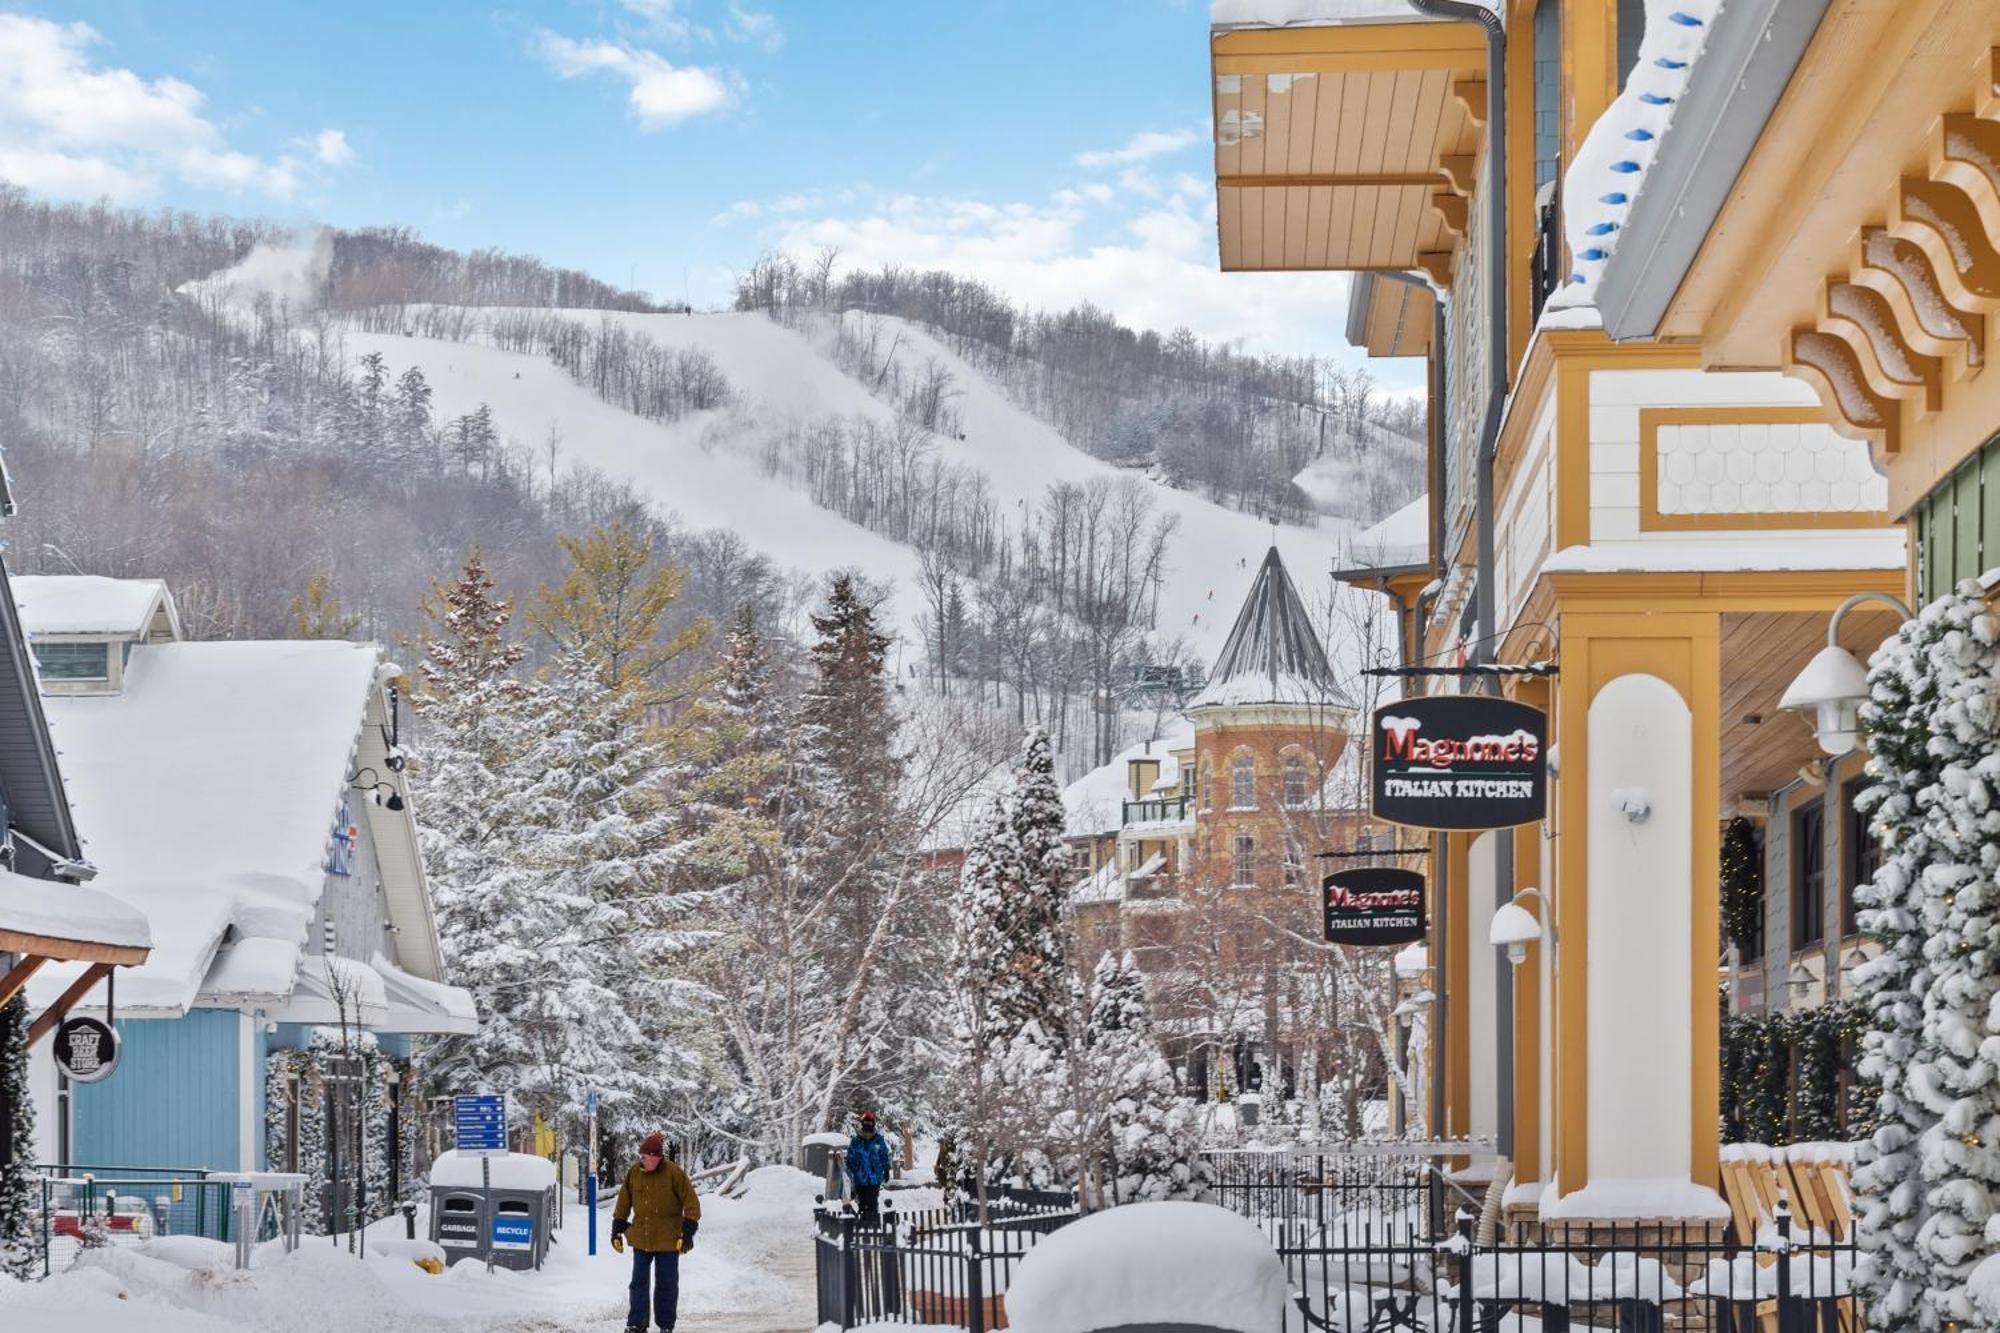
(1618,1200)
(510,1171)
(86,604)
(1150,1263)
(1610,168)
(68,912)
(752,1264)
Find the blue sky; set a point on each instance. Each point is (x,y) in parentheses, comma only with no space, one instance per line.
(1057,149)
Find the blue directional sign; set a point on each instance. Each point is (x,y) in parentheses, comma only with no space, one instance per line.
(481,1124)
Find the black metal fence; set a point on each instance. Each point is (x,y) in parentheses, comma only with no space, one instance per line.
(1373,1241)
(938,1266)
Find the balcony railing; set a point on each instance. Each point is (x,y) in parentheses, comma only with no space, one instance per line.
(1156,810)
(1545,270)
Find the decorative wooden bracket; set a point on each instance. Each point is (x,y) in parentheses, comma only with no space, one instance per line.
(1944,221)
(1452,209)
(56,1012)
(1461,169)
(1437,265)
(1471,93)
(17,978)
(1901,273)
(1861,318)
(1853,408)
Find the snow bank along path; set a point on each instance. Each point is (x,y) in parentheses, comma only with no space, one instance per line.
(703,466)
(750,1272)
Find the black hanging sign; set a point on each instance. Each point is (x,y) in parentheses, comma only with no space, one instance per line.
(1374,905)
(1459,761)
(86,1049)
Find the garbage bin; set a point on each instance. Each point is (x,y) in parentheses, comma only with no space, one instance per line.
(825,1156)
(504,1208)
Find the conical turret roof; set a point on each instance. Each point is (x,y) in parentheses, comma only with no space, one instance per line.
(1273,653)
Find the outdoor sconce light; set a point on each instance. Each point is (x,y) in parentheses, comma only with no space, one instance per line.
(1516,927)
(381,793)
(1633,803)
(1834,684)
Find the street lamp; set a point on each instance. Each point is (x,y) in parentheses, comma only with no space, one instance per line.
(1516,927)
(1834,684)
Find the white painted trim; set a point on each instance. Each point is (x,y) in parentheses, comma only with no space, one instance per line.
(1482,986)
(248,1083)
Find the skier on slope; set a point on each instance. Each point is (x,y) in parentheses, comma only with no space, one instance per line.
(868,1165)
(658,1209)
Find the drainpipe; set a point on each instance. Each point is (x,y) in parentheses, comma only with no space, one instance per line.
(1496,293)
(1441,410)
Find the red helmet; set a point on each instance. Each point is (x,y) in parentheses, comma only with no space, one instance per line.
(867,1117)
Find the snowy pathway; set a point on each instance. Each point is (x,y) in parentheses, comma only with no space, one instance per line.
(750,1272)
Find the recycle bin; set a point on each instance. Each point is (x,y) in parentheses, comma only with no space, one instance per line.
(511,1220)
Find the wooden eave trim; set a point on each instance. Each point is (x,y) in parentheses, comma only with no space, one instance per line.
(1435,180)
(57,949)
(1418,38)
(1661,592)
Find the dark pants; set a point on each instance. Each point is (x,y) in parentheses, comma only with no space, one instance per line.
(868,1199)
(662,1272)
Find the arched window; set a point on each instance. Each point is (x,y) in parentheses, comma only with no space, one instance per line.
(1207,786)
(1243,783)
(1295,780)
(1295,862)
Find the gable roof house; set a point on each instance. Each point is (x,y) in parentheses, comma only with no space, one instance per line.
(247,799)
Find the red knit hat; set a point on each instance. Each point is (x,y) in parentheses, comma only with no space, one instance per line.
(867,1117)
(652,1146)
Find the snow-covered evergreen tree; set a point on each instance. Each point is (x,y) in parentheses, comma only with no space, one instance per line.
(1923,1179)
(20,1223)
(1151,1139)
(1032,865)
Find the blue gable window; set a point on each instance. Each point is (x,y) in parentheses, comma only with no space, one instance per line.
(74,661)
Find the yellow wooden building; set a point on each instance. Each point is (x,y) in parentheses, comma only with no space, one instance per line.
(1703,338)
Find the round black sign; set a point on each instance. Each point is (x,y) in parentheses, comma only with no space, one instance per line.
(86,1049)
(1374,905)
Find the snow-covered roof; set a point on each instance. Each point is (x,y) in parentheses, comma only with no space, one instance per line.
(1403,538)
(206,795)
(1095,802)
(330,990)
(1104,885)
(1182,1265)
(75,913)
(1312,13)
(1871,548)
(1610,166)
(88,604)
(418,1005)
(1273,653)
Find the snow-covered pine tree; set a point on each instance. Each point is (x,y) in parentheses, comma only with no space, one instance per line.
(473,717)
(1955,1075)
(1151,1138)
(604,1008)
(1907,683)
(20,1224)
(981,960)
(1034,878)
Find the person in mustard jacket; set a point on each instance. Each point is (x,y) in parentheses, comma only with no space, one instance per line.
(657,1211)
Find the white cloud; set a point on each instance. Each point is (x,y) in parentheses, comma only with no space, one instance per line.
(754,26)
(72,129)
(661,16)
(661,93)
(1153,265)
(333,148)
(1141,147)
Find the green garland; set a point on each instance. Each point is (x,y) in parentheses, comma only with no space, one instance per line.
(1742,889)
(1788,1077)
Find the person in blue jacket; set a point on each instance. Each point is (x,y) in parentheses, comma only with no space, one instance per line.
(868,1166)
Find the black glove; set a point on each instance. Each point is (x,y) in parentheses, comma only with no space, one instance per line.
(619,1226)
(688,1227)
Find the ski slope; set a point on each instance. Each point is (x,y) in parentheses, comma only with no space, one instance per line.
(704,467)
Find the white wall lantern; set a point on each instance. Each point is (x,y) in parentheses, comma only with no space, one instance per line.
(1515,927)
(1834,684)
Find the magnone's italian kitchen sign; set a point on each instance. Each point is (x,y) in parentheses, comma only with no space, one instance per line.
(1459,761)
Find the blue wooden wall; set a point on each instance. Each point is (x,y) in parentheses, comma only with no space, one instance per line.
(173,1101)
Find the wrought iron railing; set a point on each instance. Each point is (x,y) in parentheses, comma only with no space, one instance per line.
(1545,269)
(1156,810)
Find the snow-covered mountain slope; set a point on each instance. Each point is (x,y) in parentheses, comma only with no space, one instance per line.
(705,467)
